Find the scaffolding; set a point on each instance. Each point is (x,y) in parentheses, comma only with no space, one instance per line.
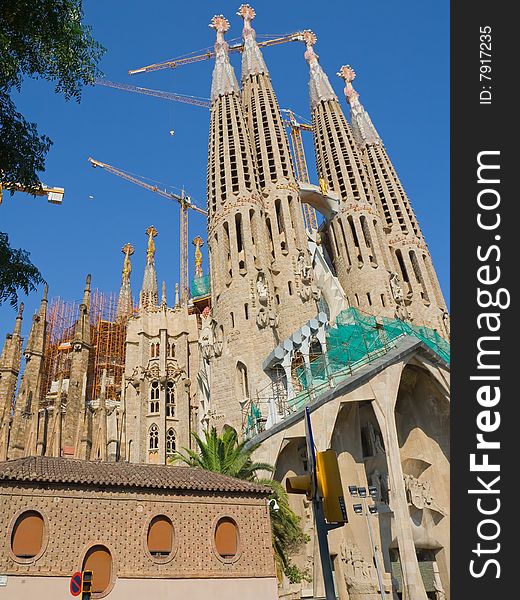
(107,341)
(356,340)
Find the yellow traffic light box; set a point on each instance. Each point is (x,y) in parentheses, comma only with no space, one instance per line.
(300,484)
(331,489)
(86,585)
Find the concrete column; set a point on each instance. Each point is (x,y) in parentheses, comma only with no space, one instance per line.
(385,387)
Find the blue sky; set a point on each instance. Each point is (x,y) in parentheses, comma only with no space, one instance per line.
(400,51)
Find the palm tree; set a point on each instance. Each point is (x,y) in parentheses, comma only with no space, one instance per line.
(224,453)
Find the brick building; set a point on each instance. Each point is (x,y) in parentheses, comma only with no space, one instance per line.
(162,531)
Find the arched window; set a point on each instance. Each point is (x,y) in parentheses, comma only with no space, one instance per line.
(226,537)
(170,399)
(154,437)
(27,536)
(242,381)
(154,397)
(99,560)
(160,536)
(170,442)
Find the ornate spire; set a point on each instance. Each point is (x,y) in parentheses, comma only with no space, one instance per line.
(177,302)
(224,80)
(198,242)
(149,289)
(362,126)
(252,59)
(18,325)
(86,293)
(125,306)
(163,294)
(319,84)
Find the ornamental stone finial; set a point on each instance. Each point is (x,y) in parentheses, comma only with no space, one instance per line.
(319,85)
(247,12)
(127,250)
(220,24)
(198,242)
(252,59)
(362,127)
(151,232)
(223,81)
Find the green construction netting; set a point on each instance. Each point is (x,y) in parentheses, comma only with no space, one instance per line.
(200,286)
(356,340)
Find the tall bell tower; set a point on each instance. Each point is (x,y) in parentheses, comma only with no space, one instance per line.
(245,309)
(289,255)
(414,275)
(359,247)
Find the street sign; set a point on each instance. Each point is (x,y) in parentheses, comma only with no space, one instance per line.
(75,584)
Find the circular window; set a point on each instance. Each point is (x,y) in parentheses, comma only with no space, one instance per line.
(99,560)
(226,538)
(27,536)
(160,537)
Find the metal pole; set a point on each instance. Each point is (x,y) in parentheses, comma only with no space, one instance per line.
(319,518)
(374,552)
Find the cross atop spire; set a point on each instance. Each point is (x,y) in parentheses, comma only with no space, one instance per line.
(319,84)
(362,126)
(224,80)
(252,59)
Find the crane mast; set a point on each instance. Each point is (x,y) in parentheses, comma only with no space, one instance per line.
(300,163)
(185,204)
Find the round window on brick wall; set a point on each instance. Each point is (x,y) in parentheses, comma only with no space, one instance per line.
(226,538)
(99,560)
(27,536)
(160,537)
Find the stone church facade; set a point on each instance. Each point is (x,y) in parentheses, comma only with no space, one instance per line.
(349,320)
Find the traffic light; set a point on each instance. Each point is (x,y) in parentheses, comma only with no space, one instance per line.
(329,482)
(86,585)
(300,484)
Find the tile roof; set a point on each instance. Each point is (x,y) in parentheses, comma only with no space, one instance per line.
(46,469)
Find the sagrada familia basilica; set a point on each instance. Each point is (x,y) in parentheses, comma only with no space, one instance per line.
(348,319)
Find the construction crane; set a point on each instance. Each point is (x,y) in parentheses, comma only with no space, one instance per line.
(300,163)
(185,204)
(298,152)
(54,194)
(210,53)
(203,102)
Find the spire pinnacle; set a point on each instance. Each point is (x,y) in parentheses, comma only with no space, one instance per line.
(86,293)
(125,306)
(319,84)
(151,232)
(177,302)
(362,126)
(163,294)
(224,80)
(45,292)
(127,250)
(252,59)
(198,242)
(19,316)
(149,290)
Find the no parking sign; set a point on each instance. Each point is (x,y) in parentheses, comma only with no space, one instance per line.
(75,584)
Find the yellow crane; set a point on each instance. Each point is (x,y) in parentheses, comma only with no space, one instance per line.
(54,194)
(185,204)
(210,53)
(300,163)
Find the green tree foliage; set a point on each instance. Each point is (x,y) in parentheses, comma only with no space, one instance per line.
(16,272)
(224,453)
(39,39)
